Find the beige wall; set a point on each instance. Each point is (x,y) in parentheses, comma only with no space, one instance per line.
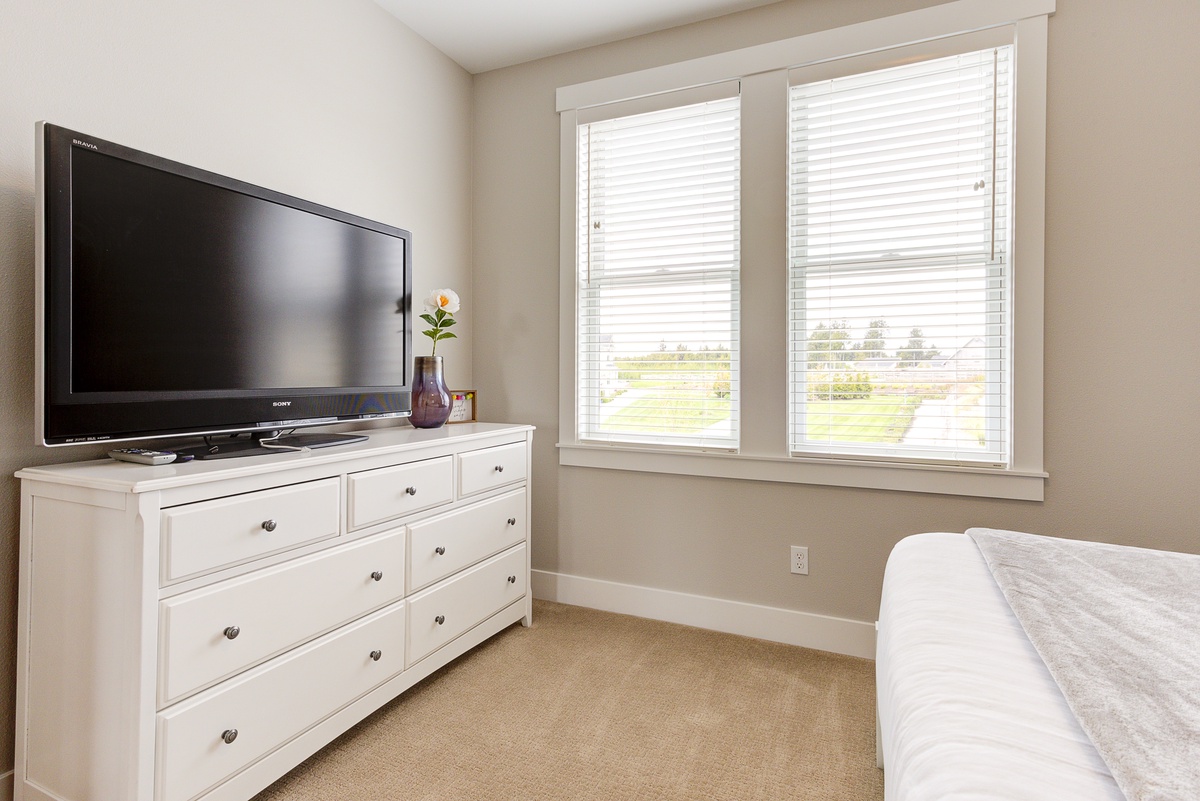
(1122,346)
(334,102)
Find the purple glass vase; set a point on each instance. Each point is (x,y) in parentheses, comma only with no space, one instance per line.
(430,398)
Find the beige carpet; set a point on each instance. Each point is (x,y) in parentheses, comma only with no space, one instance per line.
(592,705)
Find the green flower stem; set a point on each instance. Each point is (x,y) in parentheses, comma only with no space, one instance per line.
(440,320)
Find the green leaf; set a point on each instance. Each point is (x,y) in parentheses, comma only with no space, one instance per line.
(429,319)
(432,334)
(441,315)
(449,321)
(447,335)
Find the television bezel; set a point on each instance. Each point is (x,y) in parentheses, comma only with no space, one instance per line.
(239,410)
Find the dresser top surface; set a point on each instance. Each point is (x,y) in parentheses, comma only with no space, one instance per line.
(109,474)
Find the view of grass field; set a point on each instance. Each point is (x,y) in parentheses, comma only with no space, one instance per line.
(683,410)
(672,392)
(683,393)
(861,420)
(669,410)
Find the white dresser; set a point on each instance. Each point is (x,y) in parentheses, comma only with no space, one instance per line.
(195,631)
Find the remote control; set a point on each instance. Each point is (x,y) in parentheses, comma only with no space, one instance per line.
(142,456)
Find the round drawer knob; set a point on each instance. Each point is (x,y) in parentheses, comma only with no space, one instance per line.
(231,633)
(499,468)
(512,521)
(440,551)
(377,575)
(376,656)
(512,579)
(269,525)
(229,735)
(440,619)
(411,491)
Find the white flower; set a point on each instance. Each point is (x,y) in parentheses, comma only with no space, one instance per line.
(440,308)
(444,299)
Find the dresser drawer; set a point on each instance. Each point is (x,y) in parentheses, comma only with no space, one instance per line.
(201,537)
(273,703)
(377,495)
(272,610)
(447,544)
(444,611)
(489,468)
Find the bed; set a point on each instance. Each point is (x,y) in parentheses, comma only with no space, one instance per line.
(968,708)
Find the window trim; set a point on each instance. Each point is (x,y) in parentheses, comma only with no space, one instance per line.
(763,70)
(976,482)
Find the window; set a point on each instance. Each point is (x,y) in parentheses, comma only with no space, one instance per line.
(818,260)
(658,274)
(900,276)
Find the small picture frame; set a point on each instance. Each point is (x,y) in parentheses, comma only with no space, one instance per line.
(462,406)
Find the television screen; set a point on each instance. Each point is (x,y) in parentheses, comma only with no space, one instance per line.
(177,301)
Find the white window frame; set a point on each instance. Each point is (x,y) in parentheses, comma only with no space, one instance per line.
(763,72)
(727,91)
(999,272)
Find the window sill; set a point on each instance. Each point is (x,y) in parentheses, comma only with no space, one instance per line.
(975,482)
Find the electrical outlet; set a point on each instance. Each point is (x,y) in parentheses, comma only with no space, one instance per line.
(800,559)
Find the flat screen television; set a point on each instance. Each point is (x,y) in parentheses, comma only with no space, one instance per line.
(172,301)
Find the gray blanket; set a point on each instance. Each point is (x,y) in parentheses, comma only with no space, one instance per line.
(1119,629)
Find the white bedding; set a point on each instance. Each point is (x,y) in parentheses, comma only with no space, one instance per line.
(967,708)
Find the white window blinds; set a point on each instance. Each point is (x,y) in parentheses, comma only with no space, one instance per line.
(658,276)
(900,279)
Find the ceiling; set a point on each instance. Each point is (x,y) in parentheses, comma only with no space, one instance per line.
(484,35)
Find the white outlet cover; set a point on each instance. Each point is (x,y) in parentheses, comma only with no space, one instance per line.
(799,560)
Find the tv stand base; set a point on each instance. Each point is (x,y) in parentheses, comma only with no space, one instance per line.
(231,447)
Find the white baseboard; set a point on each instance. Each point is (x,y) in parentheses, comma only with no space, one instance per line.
(824,633)
(6,786)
